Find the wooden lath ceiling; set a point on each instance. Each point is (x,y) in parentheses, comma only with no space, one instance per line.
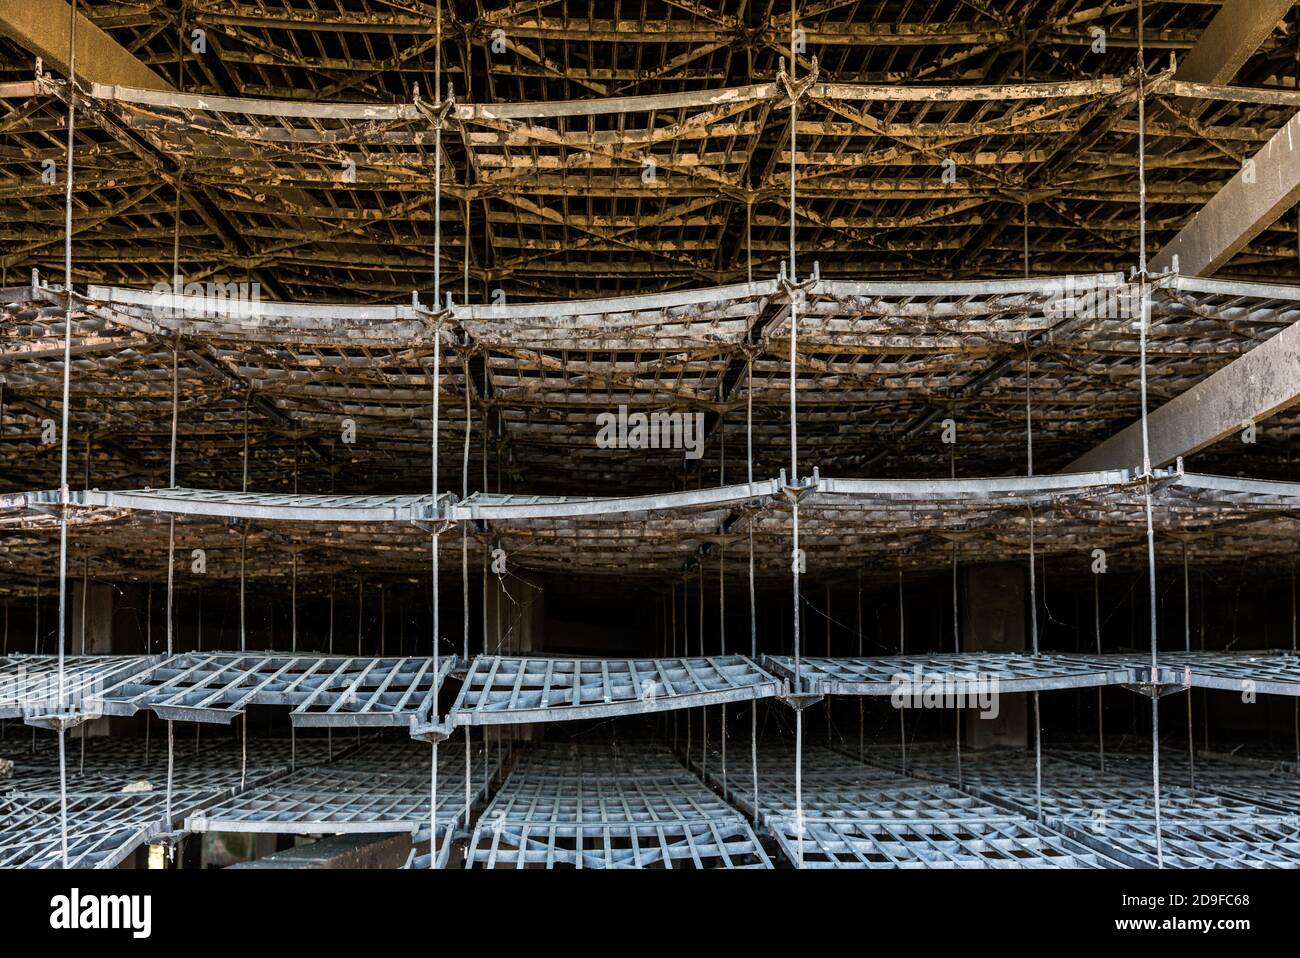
(560,207)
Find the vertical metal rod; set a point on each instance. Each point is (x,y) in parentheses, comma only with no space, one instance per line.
(902,650)
(704,711)
(722,647)
(749,474)
(198,646)
(1096,616)
(956,647)
(329,733)
(826,702)
(1033,620)
(1187,645)
(243,546)
(85,589)
(686,650)
(64,496)
(1144,323)
(861,704)
(794,446)
(437,368)
(672,602)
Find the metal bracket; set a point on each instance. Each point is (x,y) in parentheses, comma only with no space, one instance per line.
(1157,684)
(432,732)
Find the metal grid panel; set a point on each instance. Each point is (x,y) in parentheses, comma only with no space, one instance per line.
(837,789)
(508,690)
(376,788)
(1269,786)
(1121,802)
(323,690)
(613,536)
(1113,811)
(515,507)
(696,319)
(106,823)
(885,675)
(519,158)
(707,844)
(1260,844)
(101,832)
(29,683)
(1268,672)
(265,505)
(598,807)
(227,316)
(973,844)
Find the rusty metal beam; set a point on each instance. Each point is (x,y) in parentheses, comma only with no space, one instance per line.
(41,26)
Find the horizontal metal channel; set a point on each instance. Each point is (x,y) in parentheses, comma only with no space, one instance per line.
(266,505)
(513,506)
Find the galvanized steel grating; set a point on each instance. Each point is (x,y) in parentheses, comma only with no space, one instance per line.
(29,684)
(973,844)
(376,788)
(118,801)
(943,675)
(598,807)
(322,690)
(502,690)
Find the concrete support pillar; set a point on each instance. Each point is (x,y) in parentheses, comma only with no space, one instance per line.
(993,620)
(97,599)
(516,620)
(110,628)
(516,613)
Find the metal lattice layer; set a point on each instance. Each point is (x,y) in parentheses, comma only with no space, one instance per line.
(321,690)
(1259,844)
(920,522)
(835,789)
(974,844)
(594,807)
(250,505)
(117,797)
(503,690)
(944,676)
(1113,811)
(29,684)
(376,788)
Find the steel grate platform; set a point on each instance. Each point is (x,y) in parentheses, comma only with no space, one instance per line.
(913,674)
(1260,844)
(501,690)
(118,802)
(29,684)
(967,844)
(322,690)
(837,789)
(1113,812)
(597,807)
(375,788)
